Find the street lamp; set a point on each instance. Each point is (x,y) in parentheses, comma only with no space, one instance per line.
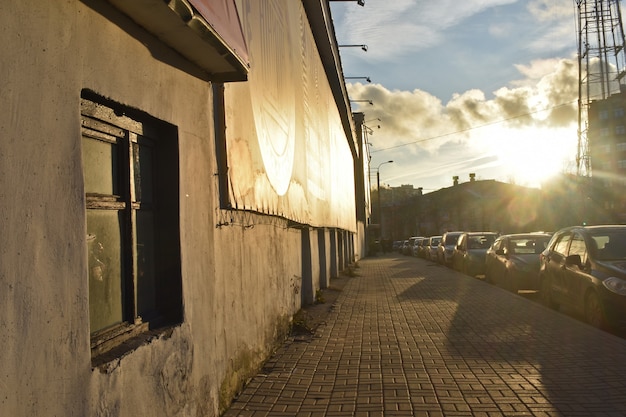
(359,2)
(380,217)
(371,103)
(363,47)
(368,79)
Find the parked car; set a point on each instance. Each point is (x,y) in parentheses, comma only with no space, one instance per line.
(431,249)
(408,249)
(584,268)
(446,247)
(397,246)
(404,249)
(416,246)
(423,248)
(512,262)
(468,255)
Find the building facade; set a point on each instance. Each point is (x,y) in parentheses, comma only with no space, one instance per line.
(607,153)
(178,179)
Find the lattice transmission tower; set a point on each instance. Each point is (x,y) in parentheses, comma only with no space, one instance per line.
(601,64)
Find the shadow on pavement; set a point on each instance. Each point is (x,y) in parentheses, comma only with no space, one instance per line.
(479,325)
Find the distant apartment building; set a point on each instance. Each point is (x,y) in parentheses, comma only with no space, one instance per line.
(607,151)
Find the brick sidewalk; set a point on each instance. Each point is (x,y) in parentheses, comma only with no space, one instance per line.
(411,338)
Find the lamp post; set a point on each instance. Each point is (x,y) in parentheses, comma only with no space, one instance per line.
(380,213)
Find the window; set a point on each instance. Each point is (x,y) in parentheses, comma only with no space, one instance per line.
(604,114)
(620,146)
(604,132)
(620,130)
(561,244)
(130,169)
(618,112)
(578,247)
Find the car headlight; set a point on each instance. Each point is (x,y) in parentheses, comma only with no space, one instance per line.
(616,285)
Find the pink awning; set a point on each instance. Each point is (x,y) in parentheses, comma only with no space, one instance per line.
(223,17)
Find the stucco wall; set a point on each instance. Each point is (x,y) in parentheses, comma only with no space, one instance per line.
(241,282)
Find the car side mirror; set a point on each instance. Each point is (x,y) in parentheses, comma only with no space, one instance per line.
(500,252)
(574,260)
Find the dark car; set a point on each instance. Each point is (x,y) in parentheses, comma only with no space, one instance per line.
(407,247)
(468,256)
(584,268)
(422,247)
(512,262)
(431,249)
(446,247)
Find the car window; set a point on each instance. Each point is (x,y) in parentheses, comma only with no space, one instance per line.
(497,245)
(541,244)
(611,246)
(480,241)
(451,239)
(528,245)
(561,244)
(522,246)
(578,247)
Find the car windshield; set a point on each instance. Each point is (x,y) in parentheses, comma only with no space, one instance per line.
(527,246)
(611,245)
(451,239)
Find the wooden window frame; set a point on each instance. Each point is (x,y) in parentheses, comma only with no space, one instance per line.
(106,121)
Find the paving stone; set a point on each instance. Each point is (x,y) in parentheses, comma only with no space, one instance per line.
(407,337)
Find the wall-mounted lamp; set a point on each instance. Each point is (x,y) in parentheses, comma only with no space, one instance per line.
(378,118)
(363,101)
(363,47)
(359,78)
(370,130)
(359,2)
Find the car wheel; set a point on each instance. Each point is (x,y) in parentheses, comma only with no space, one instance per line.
(594,314)
(545,292)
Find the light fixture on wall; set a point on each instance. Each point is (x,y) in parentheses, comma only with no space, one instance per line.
(371,120)
(368,79)
(359,2)
(363,47)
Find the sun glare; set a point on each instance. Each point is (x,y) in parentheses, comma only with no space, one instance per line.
(531,156)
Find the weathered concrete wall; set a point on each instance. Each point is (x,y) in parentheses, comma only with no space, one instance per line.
(241,282)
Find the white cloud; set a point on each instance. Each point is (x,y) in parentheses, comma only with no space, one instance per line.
(392,28)
(526,131)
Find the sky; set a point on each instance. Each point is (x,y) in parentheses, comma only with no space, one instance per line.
(488,87)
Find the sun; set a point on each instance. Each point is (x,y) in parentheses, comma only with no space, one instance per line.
(531,156)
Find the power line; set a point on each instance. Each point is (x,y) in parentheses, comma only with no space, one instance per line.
(473,127)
